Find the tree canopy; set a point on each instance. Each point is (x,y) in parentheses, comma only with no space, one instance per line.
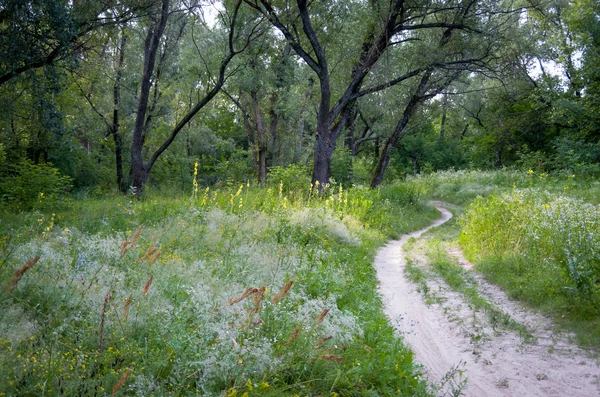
(122,94)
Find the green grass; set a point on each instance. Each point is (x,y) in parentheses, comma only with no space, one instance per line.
(64,328)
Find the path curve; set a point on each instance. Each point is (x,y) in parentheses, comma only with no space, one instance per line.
(512,369)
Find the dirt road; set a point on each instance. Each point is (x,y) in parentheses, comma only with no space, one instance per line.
(450,335)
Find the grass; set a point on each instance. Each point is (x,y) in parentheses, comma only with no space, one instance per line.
(239,292)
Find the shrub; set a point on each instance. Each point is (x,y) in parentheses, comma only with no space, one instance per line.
(293,177)
(27,185)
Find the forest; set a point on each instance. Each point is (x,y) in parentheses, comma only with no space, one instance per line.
(100,96)
(195,195)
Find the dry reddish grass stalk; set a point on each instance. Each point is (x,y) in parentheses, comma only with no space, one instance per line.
(150,251)
(131,242)
(154,257)
(281,294)
(294,336)
(147,286)
(258,296)
(321,341)
(246,293)
(126,307)
(20,272)
(121,381)
(102,316)
(136,235)
(332,357)
(322,316)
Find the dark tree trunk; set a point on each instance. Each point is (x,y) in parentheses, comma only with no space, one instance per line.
(122,186)
(464,131)
(261,155)
(274,116)
(350,129)
(416,168)
(155,31)
(322,161)
(392,141)
(443,122)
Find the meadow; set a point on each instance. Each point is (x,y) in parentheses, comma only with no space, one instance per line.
(238,291)
(244,290)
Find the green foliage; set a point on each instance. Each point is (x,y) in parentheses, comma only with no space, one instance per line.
(27,185)
(294,177)
(577,156)
(543,247)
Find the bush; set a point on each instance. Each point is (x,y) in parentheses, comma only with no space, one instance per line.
(27,185)
(293,177)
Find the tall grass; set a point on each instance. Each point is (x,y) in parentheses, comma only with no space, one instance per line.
(543,248)
(239,291)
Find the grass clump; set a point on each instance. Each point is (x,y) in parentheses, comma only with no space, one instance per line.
(240,291)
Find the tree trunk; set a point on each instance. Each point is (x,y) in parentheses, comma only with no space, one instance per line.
(261,143)
(322,161)
(392,141)
(443,123)
(151,45)
(122,186)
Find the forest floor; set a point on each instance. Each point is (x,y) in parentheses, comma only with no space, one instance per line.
(470,338)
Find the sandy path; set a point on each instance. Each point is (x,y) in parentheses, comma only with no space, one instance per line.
(502,365)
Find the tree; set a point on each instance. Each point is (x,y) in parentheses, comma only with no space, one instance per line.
(378,28)
(139,167)
(34,34)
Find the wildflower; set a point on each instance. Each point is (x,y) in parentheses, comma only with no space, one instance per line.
(232,392)
(249,385)
(530,172)
(264,385)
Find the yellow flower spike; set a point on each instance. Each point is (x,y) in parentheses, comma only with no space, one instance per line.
(249,384)
(530,172)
